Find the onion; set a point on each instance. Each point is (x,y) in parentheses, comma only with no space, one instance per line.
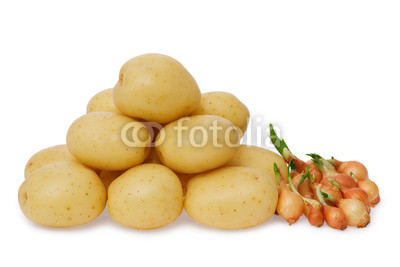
(343,179)
(312,208)
(333,191)
(304,188)
(290,205)
(355,212)
(353,193)
(325,166)
(314,171)
(357,193)
(347,167)
(334,217)
(372,190)
(314,213)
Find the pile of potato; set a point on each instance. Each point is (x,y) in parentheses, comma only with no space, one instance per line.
(191,159)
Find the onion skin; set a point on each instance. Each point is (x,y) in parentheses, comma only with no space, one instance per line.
(314,171)
(315,215)
(333,191)
(344,180)
(290,205)
(355,167)
(357,193)
(355,212)
(305,188)
(301,167)
(335,218)
(372,190)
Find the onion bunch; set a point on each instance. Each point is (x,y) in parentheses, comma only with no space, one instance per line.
(338,192)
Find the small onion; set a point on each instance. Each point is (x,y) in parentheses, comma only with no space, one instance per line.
(314,214)
(314,171)
(304,188)
(335,217)
(290,205)
(357,193)
(343,179)
(355,212)
(372,190)
(347,167)
(333,191)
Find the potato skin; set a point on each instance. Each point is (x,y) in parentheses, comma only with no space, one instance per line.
(63,194)
(260,159)
(155,88)
(47,156)
(225,105)
(95,140)
(177,151)
(145,197)
(103,101)
(231,198)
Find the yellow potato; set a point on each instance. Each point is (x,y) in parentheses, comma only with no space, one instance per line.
(102,101)
(191,145)
(47,156)
(63,194)
(97,139)
(259,158)
(225,105)
(231,197)
(155,88)
(107,177)
(145,197)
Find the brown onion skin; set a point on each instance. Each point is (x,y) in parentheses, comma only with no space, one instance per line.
(314,171)
(355,212)
(357,193)
(335,218)
(301,167)
(342,179)
(290,205)
(355,167)
(333,191)
(305,188)
(315,216)
(299,164)
(372,190)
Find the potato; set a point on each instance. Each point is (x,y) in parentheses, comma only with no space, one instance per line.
(97,140)
(259,158)
(63,194)
(225,105)
(103,101)
(156,88)
(145,197)
(190,145)
(107,177)
(231,197)
(47,156)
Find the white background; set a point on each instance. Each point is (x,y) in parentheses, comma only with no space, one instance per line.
(325,72)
